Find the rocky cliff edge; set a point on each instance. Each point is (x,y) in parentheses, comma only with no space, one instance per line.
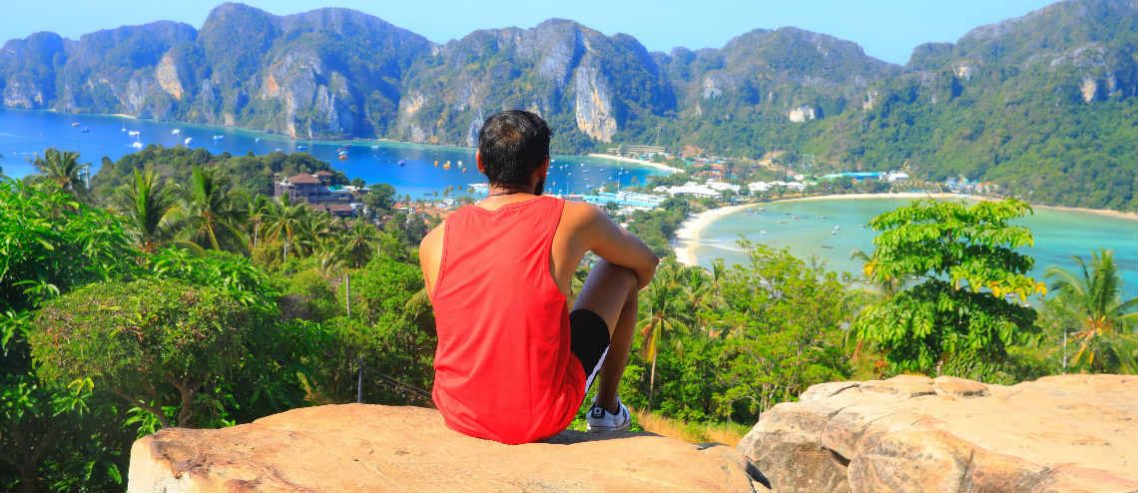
(373,448)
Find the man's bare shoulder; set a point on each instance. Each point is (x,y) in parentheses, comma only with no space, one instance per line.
(432,242)
(581,214)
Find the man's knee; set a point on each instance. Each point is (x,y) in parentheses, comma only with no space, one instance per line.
(618,274)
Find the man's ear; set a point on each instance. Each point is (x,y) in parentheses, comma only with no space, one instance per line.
(543,170)
(478,161)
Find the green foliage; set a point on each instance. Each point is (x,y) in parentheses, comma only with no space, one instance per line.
(151,342)
(783,328)
(390,332)
(211,215)
(53,435)
(730,343)
(147,203)
(957,319)
(50,242)
(1098,320)
(656,227)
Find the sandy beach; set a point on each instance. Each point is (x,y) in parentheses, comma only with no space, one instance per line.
(640,162)
(688,236)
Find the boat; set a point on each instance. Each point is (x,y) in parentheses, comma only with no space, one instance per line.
(188,141)
(827,247)
(342,157)
(446,165)
(258,139)
(301,147)
(74,124)
(375,148)
(176,131)
(134,133)
(402,163)
(218,137)
(136,144)
(436,163)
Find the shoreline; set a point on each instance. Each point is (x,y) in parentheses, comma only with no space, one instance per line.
(641,162)
(689,235)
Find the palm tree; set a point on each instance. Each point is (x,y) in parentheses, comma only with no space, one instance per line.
(209,215)
(360,242)
(285,221)
(148,204)
(1094,291)
(665,302)
(887,287)
(257,206)
(61,168)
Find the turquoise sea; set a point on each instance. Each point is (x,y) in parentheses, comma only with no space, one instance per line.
(831,229)
(25,133)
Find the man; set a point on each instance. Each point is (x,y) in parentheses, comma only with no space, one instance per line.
(513,363)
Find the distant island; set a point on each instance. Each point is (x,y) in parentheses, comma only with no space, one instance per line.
(1043,105)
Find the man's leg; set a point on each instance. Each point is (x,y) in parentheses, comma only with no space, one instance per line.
(611,293)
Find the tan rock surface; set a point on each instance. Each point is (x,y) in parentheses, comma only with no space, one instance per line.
(913,433)
(374,448)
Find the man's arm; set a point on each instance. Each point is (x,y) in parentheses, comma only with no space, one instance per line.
(615,244)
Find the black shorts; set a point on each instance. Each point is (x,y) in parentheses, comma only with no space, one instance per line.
(589,341)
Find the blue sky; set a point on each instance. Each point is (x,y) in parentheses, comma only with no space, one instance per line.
(886,29)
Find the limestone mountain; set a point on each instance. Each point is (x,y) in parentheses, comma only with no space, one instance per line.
(588,85)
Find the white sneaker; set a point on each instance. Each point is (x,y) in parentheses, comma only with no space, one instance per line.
(600,419)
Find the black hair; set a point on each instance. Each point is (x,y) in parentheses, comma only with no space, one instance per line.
(513,144)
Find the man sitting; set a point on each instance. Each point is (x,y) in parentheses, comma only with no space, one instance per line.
(513,363)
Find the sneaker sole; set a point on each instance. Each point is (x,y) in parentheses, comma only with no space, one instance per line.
(605,429)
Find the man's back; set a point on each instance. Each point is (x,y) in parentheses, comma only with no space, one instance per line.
(503,368)
(513,363)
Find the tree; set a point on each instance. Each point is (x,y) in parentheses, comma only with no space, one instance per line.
(958,318)
(1106,344)
(51,432)
(286,221)
(380,200)
(359,243)
(147,204)
(666,309)
(154,343)
(210,216)
(63,169)
(786,321)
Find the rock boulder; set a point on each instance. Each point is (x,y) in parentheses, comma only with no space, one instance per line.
(372,448)
(911,433)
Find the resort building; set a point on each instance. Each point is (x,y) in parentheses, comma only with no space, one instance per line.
(317,190)
(764,186)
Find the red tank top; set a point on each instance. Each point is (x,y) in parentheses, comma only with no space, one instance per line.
(503,370)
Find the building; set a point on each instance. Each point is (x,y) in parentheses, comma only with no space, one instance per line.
(317,189)
(311,188)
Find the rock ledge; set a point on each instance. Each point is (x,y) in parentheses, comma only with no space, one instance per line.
(356,447)
(911,433)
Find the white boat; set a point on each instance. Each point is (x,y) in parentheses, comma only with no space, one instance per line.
(188,141)
(218,137)
(176,131)
(136,144)
(134,133)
